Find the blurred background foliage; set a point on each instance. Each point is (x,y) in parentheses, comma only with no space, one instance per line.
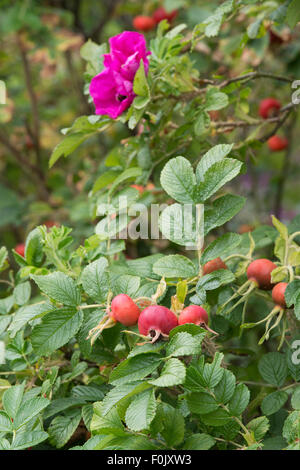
(42,68)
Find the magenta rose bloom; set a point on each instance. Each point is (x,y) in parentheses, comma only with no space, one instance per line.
(112,89)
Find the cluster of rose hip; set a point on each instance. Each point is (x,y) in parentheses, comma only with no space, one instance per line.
(154,322)
(268,108)
(146,23)
(259,274)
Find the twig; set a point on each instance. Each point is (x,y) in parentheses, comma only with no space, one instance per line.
(254,76)
(33,171)
(32,96)
(284,172)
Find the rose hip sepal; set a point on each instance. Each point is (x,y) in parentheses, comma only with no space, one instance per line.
(156,321)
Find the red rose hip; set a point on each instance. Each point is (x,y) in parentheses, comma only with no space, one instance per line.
(143,23)
(124,310)
(193,314)
(278,294)
(156,320)
(269,107)
(277,143)
(161,14)
(213,265)
(20,249)
(260,271)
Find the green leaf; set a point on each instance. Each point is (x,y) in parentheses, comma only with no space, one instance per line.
(178,224)
(61,404)
(190,328)
(281,228)
(184,344)
(67,146)
(34,248)
(293,13)
(292,292)
(3,257)
(140,84)
(221,211)
(59,287)
(239,400)
(296,399)
(273,402)
(116,394)
(141,411)
(173,373)
(215,280)
(93,53)
(259,426)
(173,425)
(24,314)
(202,123)
(126,284)
(29,410)
(130,173)
(217,418)
(134,368)
(12,399)
(24,439)
(105,179)
(225,388)
(213,373)
(273,368)
(22,293)
(56,329)
(175,266)
(63,427)
(178,180)
(95,280)
(291,427)
(201,403)
(5,422)
(110,423)
(215,177)
(214,155)
(215,100)
(198,442)
(220,247)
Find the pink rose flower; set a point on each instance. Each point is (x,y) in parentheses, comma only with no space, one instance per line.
(112,89)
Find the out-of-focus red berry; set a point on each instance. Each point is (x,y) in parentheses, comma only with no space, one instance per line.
(143,23)
(161,14)
(269,107)
(20,249)
(277,143)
